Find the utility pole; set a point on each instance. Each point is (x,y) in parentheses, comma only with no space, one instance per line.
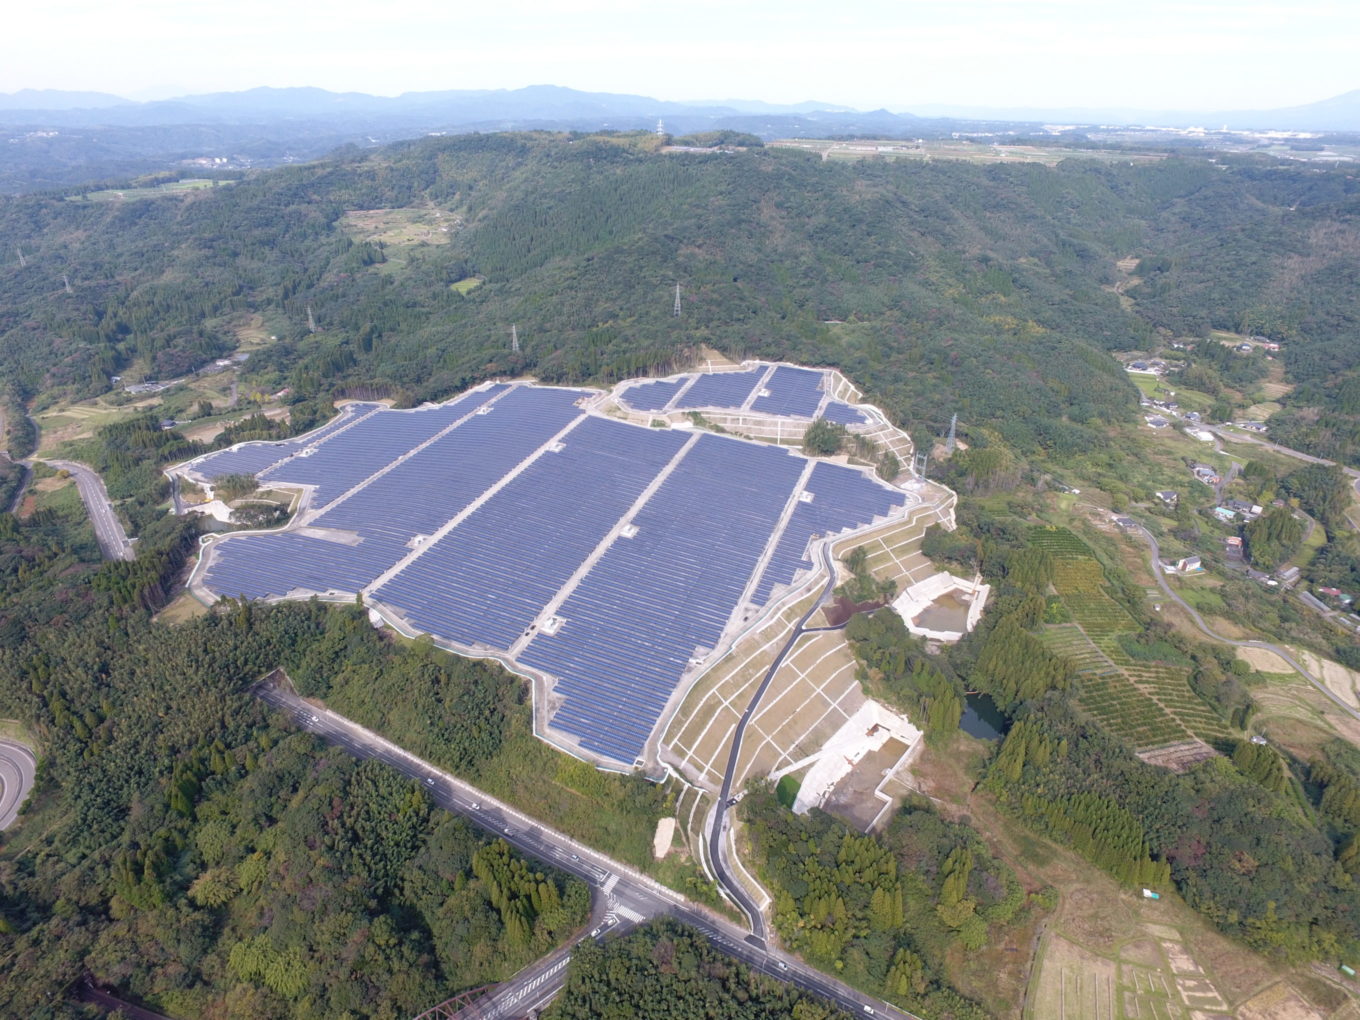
(677,300)
(514,339)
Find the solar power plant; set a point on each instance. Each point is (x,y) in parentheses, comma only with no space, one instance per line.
(721,389)
(608,556)
(253,458)
(842,498)
(653,396)
(844,414)
(791,392)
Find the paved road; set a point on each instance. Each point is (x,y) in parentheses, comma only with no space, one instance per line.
(628,895)
(717,843)
(108,530)
(114,1005)
(17,766)
(1154,561)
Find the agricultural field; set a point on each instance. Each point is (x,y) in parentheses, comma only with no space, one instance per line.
(1103,952)
(180,187)
(1147,703)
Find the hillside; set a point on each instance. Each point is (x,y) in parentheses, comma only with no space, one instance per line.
(940,287)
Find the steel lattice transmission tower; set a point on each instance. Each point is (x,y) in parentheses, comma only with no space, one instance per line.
(676,313)
(514,338)
(953,433)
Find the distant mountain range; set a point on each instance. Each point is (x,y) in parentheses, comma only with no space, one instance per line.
(538,105)
(58,139)
(1338,114)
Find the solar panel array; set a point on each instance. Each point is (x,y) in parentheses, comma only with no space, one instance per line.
(262,566)
(531,527)
(370,445)
(636,620)
(652,396)
(842,498)
(721,389)
(486,581)
(844,414)
(791,392)
(252,458)
(416,497)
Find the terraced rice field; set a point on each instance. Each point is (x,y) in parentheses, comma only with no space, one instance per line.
(1148,704)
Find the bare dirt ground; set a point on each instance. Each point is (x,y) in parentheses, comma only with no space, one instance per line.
(1340,681)
(1264,660)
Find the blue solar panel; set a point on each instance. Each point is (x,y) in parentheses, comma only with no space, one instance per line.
(415,498)
(370,445)
(490,578)
(843,498)
(635,621)
(843,414)
(721,389)
(652,396)
(792,392)
(273,565)
(252,458)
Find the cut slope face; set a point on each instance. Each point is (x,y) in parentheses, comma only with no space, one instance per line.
(608,560)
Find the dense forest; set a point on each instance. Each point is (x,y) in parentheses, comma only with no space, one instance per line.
(881,911)
(1266,859)
(666,971)
(939,287)
(221,864)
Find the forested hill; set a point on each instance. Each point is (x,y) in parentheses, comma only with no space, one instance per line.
(940,286)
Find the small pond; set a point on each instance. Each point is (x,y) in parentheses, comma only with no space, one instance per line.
(981,718)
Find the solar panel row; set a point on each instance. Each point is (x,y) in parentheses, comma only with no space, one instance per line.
(636,620)
(252,458)
(843,498)
(373,443)
(791,392)
(487,580)
(431,487)
(721,389)
(417,497)
(652,396)
(843,414)
(262,566)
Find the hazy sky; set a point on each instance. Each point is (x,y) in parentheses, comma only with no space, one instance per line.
(1174,54)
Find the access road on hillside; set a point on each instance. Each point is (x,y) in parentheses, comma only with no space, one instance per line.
(108,530)
(1154,561)
(630,896)
(17,768)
